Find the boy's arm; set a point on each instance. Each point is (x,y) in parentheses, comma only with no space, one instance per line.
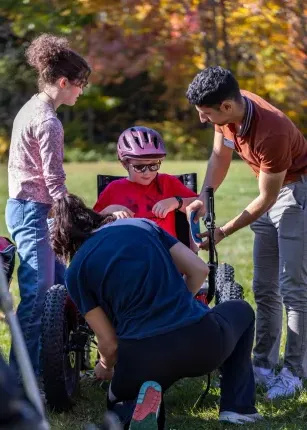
(185,196)
(186,202)
(182,197)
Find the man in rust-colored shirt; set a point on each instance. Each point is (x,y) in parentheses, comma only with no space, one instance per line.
(274,148)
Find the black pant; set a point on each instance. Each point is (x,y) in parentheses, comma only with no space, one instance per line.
(223,339)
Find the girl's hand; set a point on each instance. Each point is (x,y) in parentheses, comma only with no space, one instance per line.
(163,207)
(123,214)
(102,373)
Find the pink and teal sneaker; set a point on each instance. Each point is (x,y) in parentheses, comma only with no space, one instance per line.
(147,408)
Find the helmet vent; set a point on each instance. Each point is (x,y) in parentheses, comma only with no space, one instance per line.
(137,140)
(155,141)
(146,136)
(127,144)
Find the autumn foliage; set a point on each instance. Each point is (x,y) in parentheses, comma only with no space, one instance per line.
(144,53)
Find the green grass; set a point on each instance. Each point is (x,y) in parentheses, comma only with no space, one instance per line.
(238,189)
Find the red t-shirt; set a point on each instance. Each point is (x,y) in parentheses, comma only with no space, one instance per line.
(140,199)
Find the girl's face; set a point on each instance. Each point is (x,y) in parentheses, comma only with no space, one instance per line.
(142,171)
(71,93)
(68,92)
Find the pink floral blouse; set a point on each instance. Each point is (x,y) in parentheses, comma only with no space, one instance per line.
(35,168)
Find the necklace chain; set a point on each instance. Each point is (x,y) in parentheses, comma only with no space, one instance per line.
(50,98)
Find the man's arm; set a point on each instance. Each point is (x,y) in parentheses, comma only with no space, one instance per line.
(218,164)
(269,187)
(217,169)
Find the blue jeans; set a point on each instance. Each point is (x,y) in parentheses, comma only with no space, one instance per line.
(38,270)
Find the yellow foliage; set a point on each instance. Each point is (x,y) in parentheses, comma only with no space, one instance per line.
(4,147)
(142,11)
(292,114)
(170,41)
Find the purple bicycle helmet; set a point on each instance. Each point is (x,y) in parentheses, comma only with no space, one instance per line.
(140,142)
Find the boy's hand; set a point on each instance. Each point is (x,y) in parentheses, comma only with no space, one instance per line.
(163,207)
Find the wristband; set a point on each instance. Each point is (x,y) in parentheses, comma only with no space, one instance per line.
(223,231)
(180,202)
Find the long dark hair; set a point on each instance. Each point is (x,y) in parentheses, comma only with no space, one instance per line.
(53,58)
(73,224)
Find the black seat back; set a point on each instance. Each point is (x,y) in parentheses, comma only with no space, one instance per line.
(182,225)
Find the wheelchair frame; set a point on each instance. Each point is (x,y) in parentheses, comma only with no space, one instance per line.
(66,337)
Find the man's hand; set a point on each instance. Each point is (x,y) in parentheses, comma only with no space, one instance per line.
(197,206)
(163,207)
(218,237)
(102,373)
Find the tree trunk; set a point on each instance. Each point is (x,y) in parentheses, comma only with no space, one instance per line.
(226,47)
(207,14)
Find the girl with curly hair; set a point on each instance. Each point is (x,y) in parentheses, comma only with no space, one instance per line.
(36,175)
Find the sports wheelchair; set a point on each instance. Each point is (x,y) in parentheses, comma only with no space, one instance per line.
(67,340)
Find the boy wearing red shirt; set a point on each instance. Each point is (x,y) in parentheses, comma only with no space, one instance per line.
(144,193)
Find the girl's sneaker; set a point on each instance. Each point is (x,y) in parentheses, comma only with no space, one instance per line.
(147,407)
(285,385)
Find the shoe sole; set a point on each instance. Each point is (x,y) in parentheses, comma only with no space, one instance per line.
(241,419)
(147,407)
(236,421)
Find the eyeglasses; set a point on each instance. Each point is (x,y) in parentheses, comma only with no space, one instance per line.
(141,168)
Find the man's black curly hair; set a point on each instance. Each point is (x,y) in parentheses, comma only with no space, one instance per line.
(212,86)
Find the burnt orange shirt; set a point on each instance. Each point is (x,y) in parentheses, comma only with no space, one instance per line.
(270,142)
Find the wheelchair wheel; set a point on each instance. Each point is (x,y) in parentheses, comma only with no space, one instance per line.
(60,360)
(226,287)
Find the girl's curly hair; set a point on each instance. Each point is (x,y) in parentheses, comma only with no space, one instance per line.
(74,222)
(52,57)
